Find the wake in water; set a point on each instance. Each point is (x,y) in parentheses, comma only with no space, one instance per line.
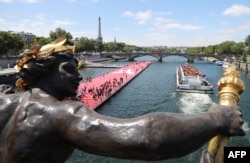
(194,102)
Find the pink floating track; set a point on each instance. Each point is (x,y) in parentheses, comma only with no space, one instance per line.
(95,91)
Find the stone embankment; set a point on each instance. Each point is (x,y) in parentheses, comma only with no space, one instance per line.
(7,62)
(243,66)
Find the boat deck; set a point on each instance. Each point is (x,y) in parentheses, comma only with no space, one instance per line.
(191,80)
(95,91)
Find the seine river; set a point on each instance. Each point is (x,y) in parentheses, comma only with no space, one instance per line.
(154,90)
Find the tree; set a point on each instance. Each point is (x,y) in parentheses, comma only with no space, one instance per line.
(210,49)
(237,49)
(43,40)
(130,48)
(99,46)
(224,48)
(247,43)
(58,33)
(110,47)
(10,43)
(84,44)
(247,40)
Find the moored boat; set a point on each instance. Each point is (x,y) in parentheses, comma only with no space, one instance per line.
(225,65)
(189,79)
(219,63)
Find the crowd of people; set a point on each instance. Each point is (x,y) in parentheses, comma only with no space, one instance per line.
(93,91)
(190,70)
(97,92)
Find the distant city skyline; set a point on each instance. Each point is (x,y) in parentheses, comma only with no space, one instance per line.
(136,22)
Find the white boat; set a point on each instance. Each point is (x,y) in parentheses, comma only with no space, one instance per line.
(189,79)
(219,63)
(225,64)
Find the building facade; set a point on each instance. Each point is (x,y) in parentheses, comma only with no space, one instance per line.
(27,37)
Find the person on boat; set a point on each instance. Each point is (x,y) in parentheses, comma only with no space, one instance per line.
(39,125)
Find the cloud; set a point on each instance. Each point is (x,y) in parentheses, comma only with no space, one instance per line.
(160,23)
(128,13)
(25,1)
(30,1)
(116,29)
(181,26)
(63,22)
(164,24)
(245,26)
(41,25)
(2,21)
(5,1)
(237,10)
(141,17)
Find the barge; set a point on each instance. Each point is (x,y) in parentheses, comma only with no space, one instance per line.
(93,92)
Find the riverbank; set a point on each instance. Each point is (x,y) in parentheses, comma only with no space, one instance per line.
(243,66)
(7,62)
(8,76)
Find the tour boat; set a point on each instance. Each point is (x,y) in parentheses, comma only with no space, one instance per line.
(189,79)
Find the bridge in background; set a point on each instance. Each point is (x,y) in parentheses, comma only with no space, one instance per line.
(131,56)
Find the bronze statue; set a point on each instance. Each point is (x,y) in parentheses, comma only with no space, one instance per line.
(39,125)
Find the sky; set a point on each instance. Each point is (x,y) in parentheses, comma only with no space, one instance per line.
(136,22)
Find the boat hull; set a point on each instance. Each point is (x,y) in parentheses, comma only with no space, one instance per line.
(194,91)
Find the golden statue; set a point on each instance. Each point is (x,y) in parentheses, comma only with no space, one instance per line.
(230,86)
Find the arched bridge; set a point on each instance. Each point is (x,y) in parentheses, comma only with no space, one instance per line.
(159,56)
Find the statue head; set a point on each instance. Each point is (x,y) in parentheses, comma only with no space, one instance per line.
(51,68)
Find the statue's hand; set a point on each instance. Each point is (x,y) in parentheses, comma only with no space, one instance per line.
(230,118)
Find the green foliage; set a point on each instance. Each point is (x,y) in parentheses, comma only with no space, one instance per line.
(99,46)
(210,49)
(227,48)
(247,41)
(58,33)
(85,44)
(10,43)
(43,40)
(131,48)
(111,47)
(237,49)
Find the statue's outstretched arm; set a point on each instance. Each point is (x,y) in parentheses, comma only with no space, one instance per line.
(153,136)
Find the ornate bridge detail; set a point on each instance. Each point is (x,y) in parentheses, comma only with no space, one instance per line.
(131,56)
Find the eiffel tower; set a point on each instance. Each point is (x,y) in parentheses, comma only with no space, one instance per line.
(99,38)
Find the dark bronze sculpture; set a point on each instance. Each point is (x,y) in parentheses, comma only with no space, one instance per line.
(40,126)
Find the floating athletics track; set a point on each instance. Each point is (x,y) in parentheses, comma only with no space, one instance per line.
(95,91)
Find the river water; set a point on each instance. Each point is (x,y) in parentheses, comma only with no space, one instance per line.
(154,90)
